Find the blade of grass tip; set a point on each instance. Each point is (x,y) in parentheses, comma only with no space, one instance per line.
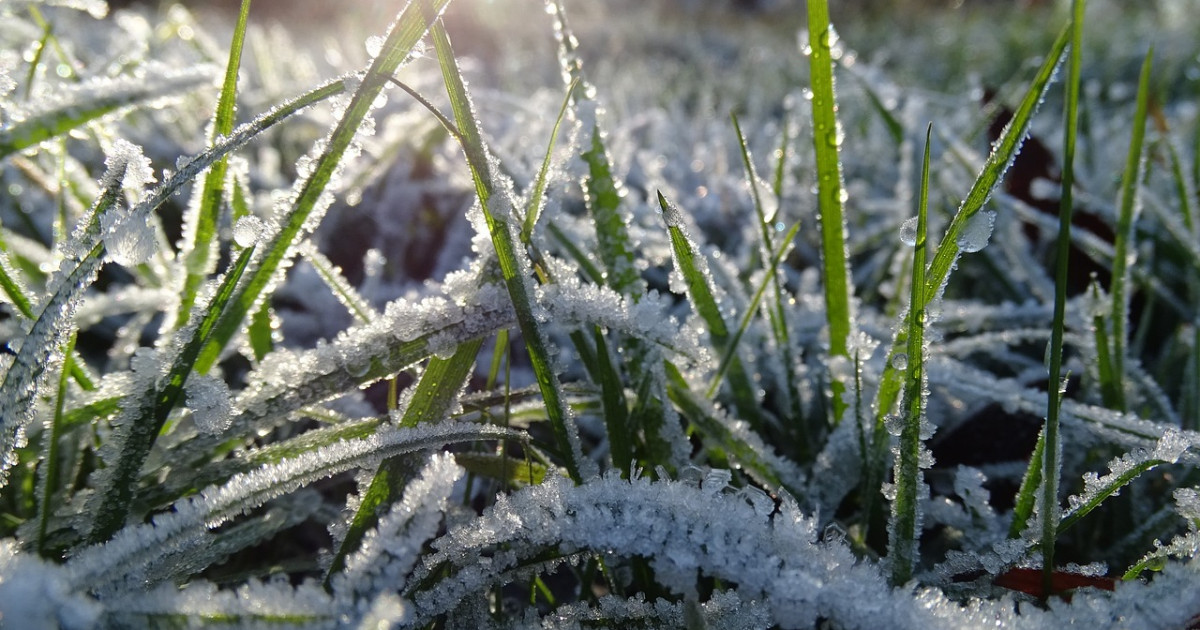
(1123,244)
(50,462)
(155,406)
(1003,153)
(202,228)
(906,519)
(827,137)
(435,393)
(411,25)
(357,305)
(695,273)
(1052,449)
(589,269)
(534,207)
(516,277)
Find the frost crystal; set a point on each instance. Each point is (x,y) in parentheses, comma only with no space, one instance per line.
(247,230)
(977,231)
(908,232)
(210,401)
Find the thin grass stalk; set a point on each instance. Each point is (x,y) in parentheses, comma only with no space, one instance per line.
(49,470)
(616,407)
(412,24)
(830,196)
(199,252)
(533,208)
(906,519)
(504,240)
(1052,450)
(1123,244)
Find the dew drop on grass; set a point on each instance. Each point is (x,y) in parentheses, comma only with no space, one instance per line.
(374,45)
(977,231)
(900,361)
(908,232)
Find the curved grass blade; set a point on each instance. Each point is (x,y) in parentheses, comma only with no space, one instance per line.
(49,470)
(16,294)
(1002,155)
(513,268)
(1123,244)
(410,26)
(826,140)
(202,226)
(906,519)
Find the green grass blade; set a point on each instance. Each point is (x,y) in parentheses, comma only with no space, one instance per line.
(830,193)
(359,308)
(695,273)
(1027,493)
(586,266)
(906,521)
(1123,245)
(435,393)
(1051,449)
(534,208)
(1002,155)
(199,251)
(152,411)
(410,26)
(514,269)
(616,408)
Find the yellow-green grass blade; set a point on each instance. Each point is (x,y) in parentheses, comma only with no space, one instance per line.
(533,208)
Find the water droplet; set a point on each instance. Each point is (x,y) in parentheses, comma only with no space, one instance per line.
(374,45)
(900,361)
(894,425)
(247,230)
(908,232)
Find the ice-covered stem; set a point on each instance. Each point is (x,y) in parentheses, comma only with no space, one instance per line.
(906,517)
(408,29)
(830,193)
(1051,450)
(202,225)
(1122,246)
(496,204)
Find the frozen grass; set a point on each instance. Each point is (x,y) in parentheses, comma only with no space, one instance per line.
(433,346)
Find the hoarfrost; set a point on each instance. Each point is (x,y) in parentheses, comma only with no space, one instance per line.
(210,401)
(977,231)
(128,239)
(37,595)
(247,230)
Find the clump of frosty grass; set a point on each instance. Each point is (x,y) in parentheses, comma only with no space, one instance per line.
(384,351)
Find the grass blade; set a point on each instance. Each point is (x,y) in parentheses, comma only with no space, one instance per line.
(435,393)
(1123,245)
(534,208)
(616,408)
(497,211)
(830,193)
(906,519)
(1002,155)
(200,232)
(410,26)
(50,474)
(150,413)
(1051,450)
(695,273)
